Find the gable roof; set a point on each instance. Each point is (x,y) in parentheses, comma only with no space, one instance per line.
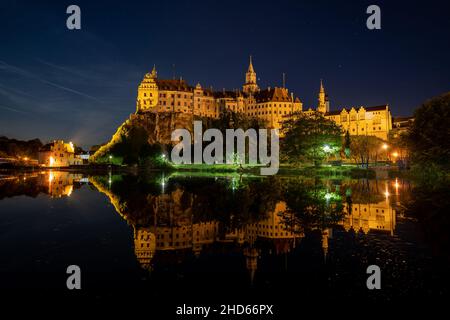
(374,108)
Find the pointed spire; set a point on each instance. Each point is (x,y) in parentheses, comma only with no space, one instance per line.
(154,72)
(250,66)
(321,86)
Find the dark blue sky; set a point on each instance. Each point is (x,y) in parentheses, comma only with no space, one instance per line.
(80,85)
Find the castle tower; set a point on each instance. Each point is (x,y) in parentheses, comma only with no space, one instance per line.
(250,85)
(323,105)
(147,97)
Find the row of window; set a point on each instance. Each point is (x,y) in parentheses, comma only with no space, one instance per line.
(268,112)
(263,226)
(365,209)
(272,234)
(269,105)
(362,129)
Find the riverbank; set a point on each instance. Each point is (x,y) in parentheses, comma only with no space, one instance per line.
(307,171)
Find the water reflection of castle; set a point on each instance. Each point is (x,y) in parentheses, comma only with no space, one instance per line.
(58,183)
(195,236)
(170,222)
(166,222)
(54,183)
(372,216)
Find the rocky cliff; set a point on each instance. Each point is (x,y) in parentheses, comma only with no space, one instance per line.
(157,126)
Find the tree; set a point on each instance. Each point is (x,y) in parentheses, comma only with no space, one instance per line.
(429,139)
(310,137)
(19,149)
(363,149)
(399,142)
(347,144)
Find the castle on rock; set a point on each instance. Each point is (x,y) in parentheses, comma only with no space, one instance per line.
(272,105)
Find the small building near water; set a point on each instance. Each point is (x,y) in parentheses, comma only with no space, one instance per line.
(58,154)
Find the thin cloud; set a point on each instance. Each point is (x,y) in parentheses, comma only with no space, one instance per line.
(15,91)
(28,74)
(102,79)
(13,109)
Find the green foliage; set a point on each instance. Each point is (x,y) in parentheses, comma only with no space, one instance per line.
(429,139)
(133,148)
(236,120)
(311,206)
(310,138)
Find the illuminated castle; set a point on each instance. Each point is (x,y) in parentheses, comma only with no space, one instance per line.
(273,105)
(371,121)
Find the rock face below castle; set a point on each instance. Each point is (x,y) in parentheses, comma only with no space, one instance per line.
(159,127)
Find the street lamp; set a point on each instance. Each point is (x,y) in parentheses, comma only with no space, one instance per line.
(326,148)
(385,146)
(110,158)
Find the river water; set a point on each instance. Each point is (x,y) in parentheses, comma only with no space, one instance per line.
(193,234)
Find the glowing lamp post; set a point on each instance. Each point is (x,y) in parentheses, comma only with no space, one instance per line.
(385,147)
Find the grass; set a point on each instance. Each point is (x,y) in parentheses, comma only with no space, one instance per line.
(327,171)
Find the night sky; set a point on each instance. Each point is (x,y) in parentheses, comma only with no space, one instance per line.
(81,85)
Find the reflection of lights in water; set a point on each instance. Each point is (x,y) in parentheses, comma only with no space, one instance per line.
(52,161)
(69,190)
(51,177)
(386,193)
(396,185)
(328,196)
(163,182)
(233,183)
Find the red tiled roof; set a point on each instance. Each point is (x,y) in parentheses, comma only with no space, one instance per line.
(173,85)
(273,95)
